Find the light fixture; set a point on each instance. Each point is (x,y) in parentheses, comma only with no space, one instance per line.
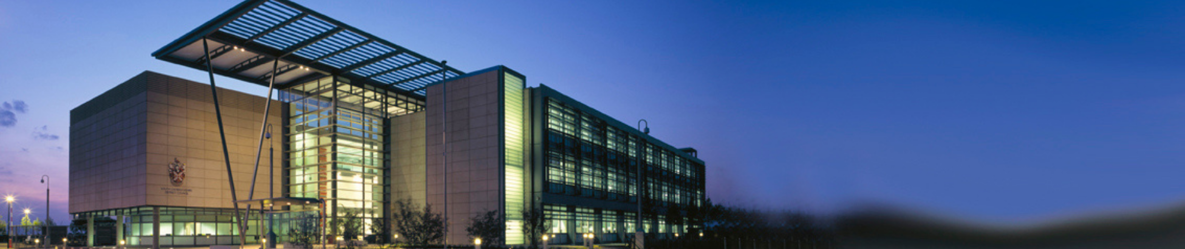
(477,241)
(37,241)
(9,199)
(701,234)
(121,242)
(26,211)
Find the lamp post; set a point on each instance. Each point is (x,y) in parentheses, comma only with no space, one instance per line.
(45,224)
(545,241)
(444,142)
(477,243)
(8,224)
(639,235)
(271,171)
(27,211)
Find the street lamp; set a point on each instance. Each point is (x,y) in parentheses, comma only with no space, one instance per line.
(8,224)
(45,224)
(271,171)
(639,233)
(477,243)
(588,240)
(444,142)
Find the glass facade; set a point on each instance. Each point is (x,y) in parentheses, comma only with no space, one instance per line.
(337,144)
(183,226)
(585,156)
(513,144)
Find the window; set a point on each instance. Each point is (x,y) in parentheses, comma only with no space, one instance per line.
(558,217)
(586,220)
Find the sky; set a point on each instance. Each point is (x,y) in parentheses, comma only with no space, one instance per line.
(994,111)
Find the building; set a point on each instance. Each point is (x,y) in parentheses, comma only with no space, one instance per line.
(359,123)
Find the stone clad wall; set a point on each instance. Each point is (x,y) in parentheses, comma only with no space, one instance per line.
(408,159)
(107,149)
(121,151)
(474,159)
(182,126)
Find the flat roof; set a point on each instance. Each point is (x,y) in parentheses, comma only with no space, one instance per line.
(245,40)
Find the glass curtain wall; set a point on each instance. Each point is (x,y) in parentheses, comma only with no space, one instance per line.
(587,157)
(337,144)
(512,87)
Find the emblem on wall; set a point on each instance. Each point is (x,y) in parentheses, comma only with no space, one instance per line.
(176,172)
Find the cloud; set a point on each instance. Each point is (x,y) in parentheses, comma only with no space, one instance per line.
(7,118)
(18,106)
(42,134)
(8,112)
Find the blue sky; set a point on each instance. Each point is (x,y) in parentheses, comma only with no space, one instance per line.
(1008,111)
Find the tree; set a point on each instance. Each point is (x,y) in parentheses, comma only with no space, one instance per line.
(25,221)
(695,214)
(304,231)
(36,222)
(674,218)
(378,227)
(488,227)
(351,227)
(415,225)
(534,225)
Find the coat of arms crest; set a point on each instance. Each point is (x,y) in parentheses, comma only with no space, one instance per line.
(177,171)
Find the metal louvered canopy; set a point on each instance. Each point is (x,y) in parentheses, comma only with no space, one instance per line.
(245,40)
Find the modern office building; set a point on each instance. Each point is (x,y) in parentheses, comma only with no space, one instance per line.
(358,123)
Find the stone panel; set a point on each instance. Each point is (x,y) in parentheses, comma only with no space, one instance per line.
(474,122)
(120,152)
(408,158)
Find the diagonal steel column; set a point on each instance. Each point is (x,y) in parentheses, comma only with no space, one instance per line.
(258,151)
(225,153)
